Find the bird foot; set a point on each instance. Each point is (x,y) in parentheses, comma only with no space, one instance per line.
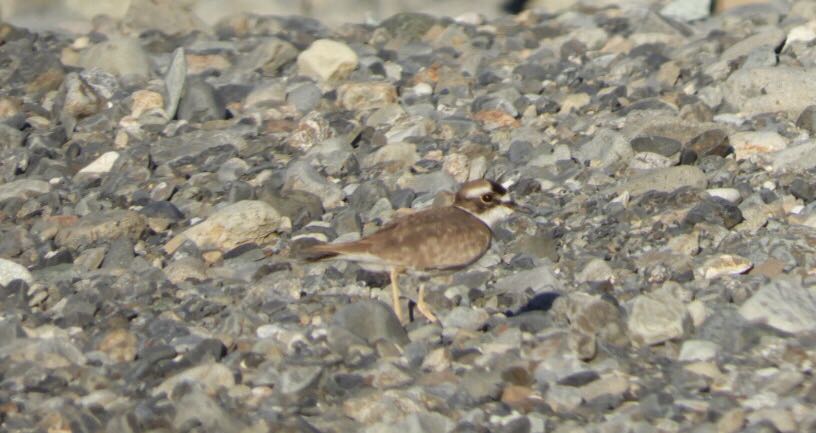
(423,306)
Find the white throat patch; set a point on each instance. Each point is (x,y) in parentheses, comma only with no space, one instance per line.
(494,215)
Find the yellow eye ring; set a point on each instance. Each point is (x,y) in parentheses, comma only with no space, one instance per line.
(487,198)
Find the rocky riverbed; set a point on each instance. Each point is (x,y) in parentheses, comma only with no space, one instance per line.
(154,188)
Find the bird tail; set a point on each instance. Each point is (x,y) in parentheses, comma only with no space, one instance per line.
(317,252)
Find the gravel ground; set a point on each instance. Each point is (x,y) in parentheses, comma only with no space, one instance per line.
(154,189)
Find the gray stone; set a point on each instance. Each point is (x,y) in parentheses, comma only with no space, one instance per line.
(416,422)
(794,159)
(199,103)
(469,318)
(10,137)
(771,89)
(210,377)
(539,279)
(174,81)
(102,226)
(687,10)
(656,144)
(657,317)
(298,379)
(269,56)
(698,350)
(10,271)
(120,56)
(606,148)
(370,321)
(664,180)
(23,189)
(300,176)
(408,26)
(807,120)
(197,408)
(304,96)
(767,40)
(80,101)
(783,303)
(431,183)
(192,145)
(248,221)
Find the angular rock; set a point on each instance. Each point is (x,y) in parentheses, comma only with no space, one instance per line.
(10,271)
(120,56)
(327,60)
(756,142)
(174,81)
(300,176)
(247,221)
(23,189)
(783,303)
(103,164)
(371,321)
(724,264)
(100,227)
(664,180)
(770,89)
(366,96)
(657,317)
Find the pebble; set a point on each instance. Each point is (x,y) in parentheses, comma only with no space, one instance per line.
(698,350)
(103,164)
(327,60)
(770,89)
(120,56)
(366,96)
(244,222)
(23,189)
(164,163)
(101,226)
(753,142)
(10,271)
(656,318)
(725,264)
(664,180)
(784,304)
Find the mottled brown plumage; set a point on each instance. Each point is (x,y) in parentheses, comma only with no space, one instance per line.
(458,239)
(437,239)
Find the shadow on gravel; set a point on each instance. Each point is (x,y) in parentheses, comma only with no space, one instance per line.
(539,302)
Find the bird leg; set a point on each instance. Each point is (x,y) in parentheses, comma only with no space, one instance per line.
(395,294)
(423,307)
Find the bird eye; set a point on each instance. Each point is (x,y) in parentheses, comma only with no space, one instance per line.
(487,198)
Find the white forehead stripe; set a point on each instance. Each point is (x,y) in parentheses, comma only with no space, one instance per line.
(478,191)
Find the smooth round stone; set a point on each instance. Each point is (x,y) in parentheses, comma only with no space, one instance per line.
(807,119)
(698,350)
(120,56)
(10,271)
(656,144)
(730,194)
(305,97)
(649,161)
(749,143)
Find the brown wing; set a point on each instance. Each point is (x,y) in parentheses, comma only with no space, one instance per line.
(439,238)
